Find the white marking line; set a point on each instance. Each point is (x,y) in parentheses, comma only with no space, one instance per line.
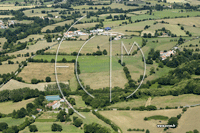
(76,68)
(110,68)
(56,71)
(62,66)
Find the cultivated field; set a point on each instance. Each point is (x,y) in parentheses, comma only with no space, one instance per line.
(90,47)
(43,70)
(172,101)
(189,121)
(45,127)
(90,118)
(6,16)
(33,48)
(8,107)
(79,102)
(135,119)
(13,84)
(12,122)
(51,27)
(8,68)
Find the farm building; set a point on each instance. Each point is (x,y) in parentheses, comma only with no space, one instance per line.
(164,55)
(53,98)
(107,28)
(54,104)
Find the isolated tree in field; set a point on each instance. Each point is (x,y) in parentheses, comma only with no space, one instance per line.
(48,79)
(173,120)
(149,35)
(56,127)
(152,70)
(78,122)
(105,52)
(70,111)
(3,126)
(33,128)
(147,131)
(145,35)
(34,81)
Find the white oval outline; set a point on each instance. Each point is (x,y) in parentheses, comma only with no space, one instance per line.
(77,76)
(56,70)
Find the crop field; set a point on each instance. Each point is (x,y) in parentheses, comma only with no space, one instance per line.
(45,127)
(12,122)
(90,118)
(40,71)
(172,101)
(13,84)
(113,23)
(73,84)
(177,1)
(33,48)
(188,121)
(139,12)
(8,68)
(8,107)
(37,12)
(135,119)
(184,21)
(131,103)
(48,115)
(132,27)
(49,57)
(90,47)
(51,27)
(12,7)
(175,29)
(195,31)
(174,13)
(2,40)
(19,59)
(187,44)
(6,16)
(85,26)
(35,37)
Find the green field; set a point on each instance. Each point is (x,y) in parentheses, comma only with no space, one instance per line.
(45,127)
(8,107)
(79,102)
(157,117)
(90,118)
(12,122)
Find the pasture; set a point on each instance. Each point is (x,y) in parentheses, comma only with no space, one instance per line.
(43,70)
(33,48)
(85,25)
(79,102)
(90,118)
(135,119)
(51,27)
(45,127)
(175,13)
(13,7)
(172,101)
(13,84)
(189,121)
(35,37)
(12,122)
(184,21)
(8,68)
(6,16)
(131,103)
(74,46)
(175,29)
(8,107)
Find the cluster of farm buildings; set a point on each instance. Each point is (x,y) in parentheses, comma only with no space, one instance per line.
(4,26)
(77,33)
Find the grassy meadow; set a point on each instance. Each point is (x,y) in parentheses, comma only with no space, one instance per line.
(41,72)
(8,107)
